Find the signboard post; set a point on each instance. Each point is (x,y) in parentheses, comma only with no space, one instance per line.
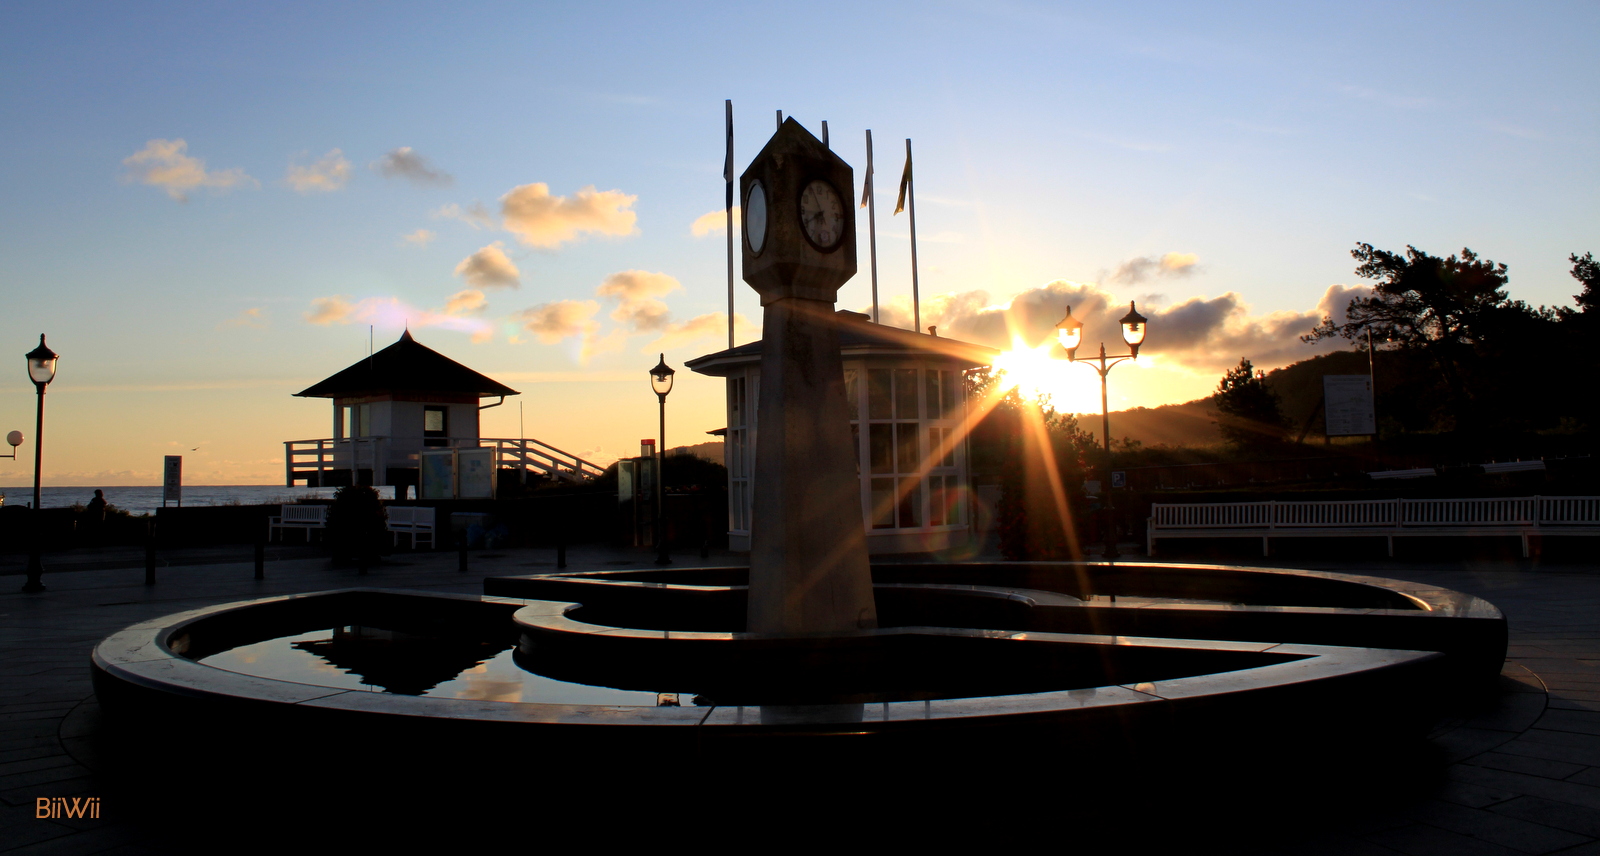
(1348,406)
(172,481)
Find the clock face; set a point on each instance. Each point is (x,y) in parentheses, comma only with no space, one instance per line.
(755,217)
(822,214)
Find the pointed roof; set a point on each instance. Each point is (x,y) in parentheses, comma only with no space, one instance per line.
(407,366)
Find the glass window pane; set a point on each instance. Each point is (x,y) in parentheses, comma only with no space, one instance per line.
(906,449)
(905,393)
(910,504)
(881,440)
(855,435)
(433,419)
(878,394)
(951,396)
(936,501)
(852,392)
(930,394)
(883,503)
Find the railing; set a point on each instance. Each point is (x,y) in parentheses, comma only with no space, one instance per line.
(304,458)
(1529,511)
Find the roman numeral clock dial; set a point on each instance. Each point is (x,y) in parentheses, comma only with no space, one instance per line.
(822,214)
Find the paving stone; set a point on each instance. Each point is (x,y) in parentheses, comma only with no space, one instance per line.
(1584,821)
(1425,840)
(1548,768)
(1519,783)
(1507,831)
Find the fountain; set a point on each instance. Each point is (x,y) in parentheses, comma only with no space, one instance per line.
(810,659)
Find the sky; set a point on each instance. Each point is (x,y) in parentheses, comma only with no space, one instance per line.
(209,204)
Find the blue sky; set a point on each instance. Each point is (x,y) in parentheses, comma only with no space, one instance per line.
(1215,162)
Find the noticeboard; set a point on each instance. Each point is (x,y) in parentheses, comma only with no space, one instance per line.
(475,473)
(172,480)
(1348,405)
(437,474)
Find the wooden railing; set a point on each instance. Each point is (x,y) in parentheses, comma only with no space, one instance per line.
(305,458)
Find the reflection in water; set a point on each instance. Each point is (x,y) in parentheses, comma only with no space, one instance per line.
(377,660)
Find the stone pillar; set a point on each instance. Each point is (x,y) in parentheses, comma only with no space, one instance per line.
(808,556)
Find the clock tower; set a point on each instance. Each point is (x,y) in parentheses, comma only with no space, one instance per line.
(808,554)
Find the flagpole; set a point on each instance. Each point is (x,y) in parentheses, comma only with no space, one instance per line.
(911,207)
(727,176)
(872,227)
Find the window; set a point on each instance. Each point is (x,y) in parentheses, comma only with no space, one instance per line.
(901,417)
(738,451)
(435,426)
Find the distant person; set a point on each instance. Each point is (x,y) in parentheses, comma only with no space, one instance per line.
(94,515)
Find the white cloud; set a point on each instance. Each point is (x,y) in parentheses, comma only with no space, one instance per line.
(489,268)
(475,215)
(560,319)
(248,318)
(1137,270)
(394,313)
(1199,334)
(708,326)
(165,164)
(468,301)
(407,164)
(329,173)
(715,222)
(421,237)
(637,292)
(539,219)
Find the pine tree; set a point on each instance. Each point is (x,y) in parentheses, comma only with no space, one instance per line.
(1249,411)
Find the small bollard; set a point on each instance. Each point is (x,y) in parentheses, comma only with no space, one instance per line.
(461,558)
(261,561)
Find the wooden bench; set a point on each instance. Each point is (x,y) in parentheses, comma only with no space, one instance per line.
(414,520)
(308,518)
(1525,517)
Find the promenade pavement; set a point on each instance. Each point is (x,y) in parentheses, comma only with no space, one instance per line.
(1519,776)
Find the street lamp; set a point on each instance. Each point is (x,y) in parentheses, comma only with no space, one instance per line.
(661,383)
(1070,333)
(41,370)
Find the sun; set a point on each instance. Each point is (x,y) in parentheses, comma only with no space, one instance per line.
(1038,371)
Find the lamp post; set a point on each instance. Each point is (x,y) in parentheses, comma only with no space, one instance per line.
(661,382)
(41,370)
(1070,333)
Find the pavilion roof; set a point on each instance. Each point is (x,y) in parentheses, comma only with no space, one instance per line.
(407,366)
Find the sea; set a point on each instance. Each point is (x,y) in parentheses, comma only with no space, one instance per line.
(145,499)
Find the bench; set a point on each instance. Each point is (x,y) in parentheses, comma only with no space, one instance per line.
(414,520)
(1525,517)
(308,518)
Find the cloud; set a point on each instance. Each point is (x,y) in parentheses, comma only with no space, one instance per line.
(541,220)
(489,268)
(710,325)
(165,164)
(715,222)
(329,173)
(1200,334)
(394,313)
(465,302)
(475,215)
(637,292)
(421,237)
(248,318)
(1137,270)
(571,319)
(407,164)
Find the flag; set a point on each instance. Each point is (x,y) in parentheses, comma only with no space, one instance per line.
(866,184)
(727,164)
(905,181)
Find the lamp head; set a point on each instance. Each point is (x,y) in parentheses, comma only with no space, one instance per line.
(1133,328)
(42,364)
(1069,331)
(661,377)
(14,438)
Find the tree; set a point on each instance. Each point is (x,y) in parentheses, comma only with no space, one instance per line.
(1587,271)
(1249,410)
(1444,308)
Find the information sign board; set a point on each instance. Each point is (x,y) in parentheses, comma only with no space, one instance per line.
(1347,402)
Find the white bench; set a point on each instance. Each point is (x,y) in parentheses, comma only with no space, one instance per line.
(1525,517)
(308,518)
(414,520)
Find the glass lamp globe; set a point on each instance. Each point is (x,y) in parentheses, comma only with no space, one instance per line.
(1070,333)
(661,377)
(42,363)
(1133,328)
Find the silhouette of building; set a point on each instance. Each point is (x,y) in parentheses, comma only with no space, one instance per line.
(402,400)
(908,400)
